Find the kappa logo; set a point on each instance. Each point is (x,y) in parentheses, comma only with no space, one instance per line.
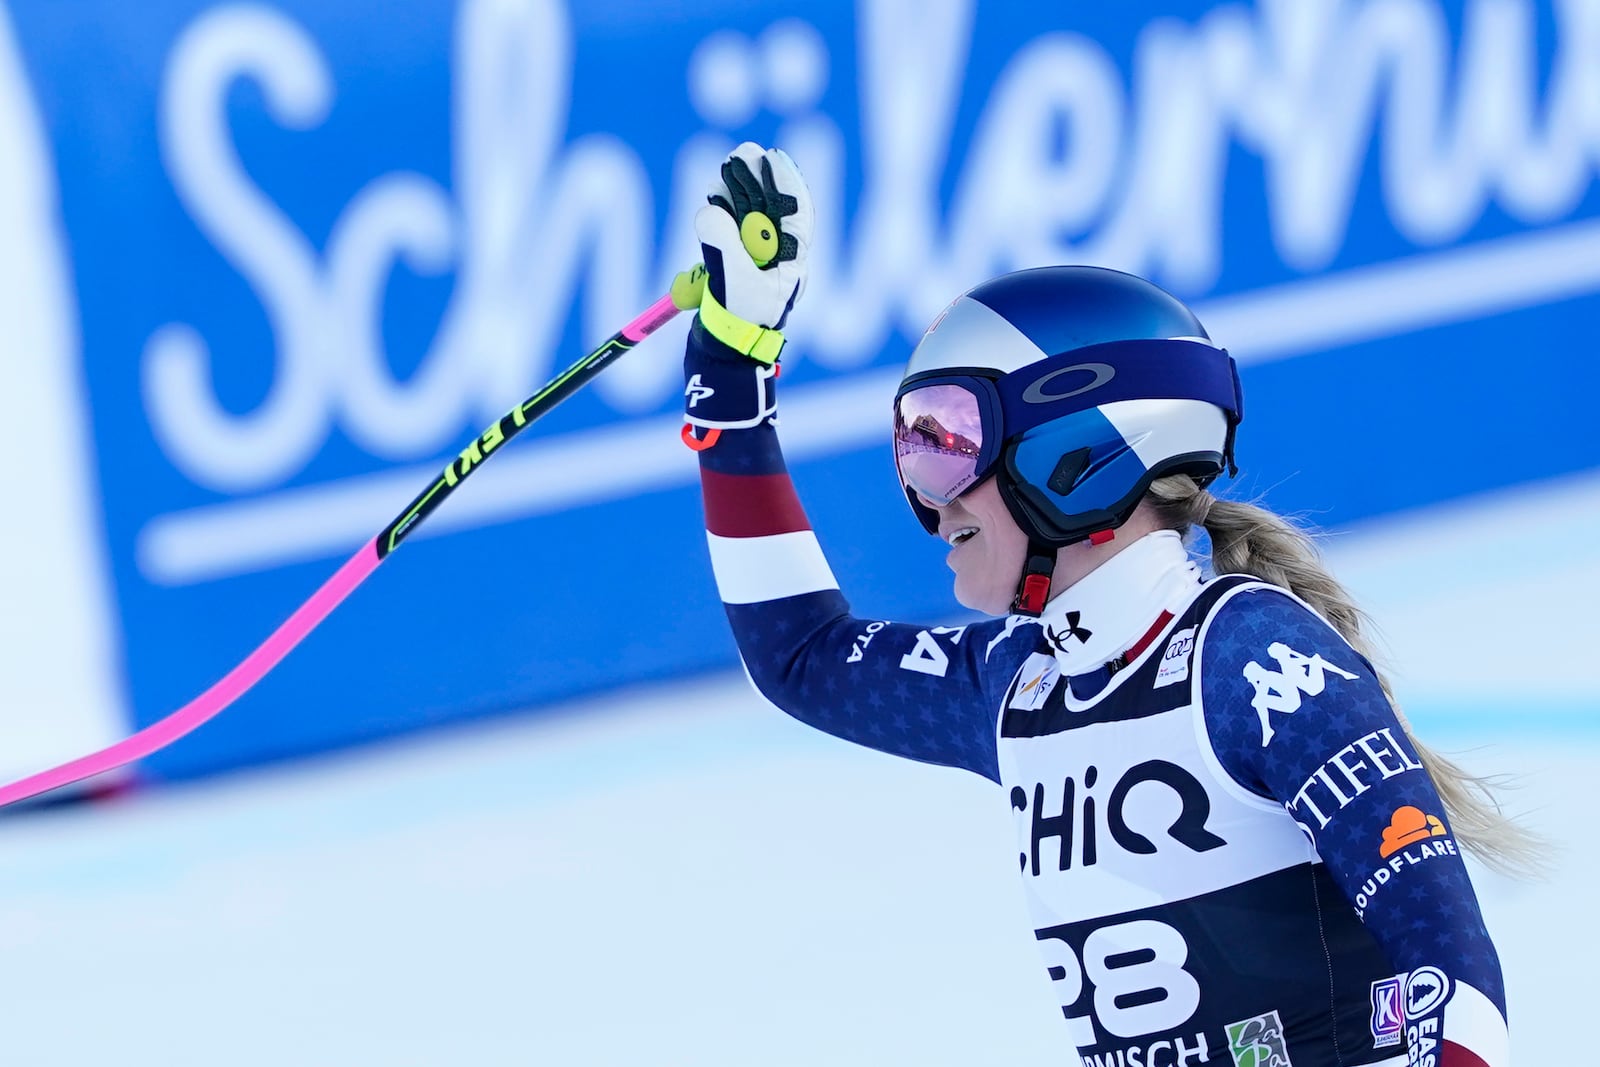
(1280,690)
(697,391)
(1175,660)
(1388,1020)
(1259,1042)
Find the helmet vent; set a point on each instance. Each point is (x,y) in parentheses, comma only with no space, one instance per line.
(1067,471)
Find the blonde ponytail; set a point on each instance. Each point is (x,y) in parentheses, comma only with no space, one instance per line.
(1249,540)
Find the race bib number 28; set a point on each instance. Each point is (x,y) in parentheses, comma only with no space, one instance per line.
(1131,974)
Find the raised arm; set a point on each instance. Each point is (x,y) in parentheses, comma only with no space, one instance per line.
(1296,715)
(927,693)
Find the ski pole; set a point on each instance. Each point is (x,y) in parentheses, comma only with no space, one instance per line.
(309,615)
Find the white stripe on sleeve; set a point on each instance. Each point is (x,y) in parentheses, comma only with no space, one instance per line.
(753,569)
(1472,1021)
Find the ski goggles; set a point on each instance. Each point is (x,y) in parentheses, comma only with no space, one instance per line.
(945,435)
(951,426)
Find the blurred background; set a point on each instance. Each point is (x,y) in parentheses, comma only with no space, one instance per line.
(265,267)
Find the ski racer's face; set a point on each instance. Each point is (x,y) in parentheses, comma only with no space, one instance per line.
(987,547)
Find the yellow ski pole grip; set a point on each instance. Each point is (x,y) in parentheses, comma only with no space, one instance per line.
(688,287)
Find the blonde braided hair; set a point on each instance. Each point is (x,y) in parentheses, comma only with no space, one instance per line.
(1246,539)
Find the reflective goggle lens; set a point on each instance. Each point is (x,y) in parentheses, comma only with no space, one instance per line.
(938,438)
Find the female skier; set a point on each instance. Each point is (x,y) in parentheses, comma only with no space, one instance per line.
(1233,850)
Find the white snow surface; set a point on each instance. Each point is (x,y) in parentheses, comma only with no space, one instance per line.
(681,875)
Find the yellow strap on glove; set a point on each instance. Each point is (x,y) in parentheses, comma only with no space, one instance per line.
(759,343)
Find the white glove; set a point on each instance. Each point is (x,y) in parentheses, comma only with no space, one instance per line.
(754,235)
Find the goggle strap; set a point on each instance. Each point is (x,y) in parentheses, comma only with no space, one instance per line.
(1235,420)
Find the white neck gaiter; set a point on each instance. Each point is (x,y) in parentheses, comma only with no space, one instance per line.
(1108,610)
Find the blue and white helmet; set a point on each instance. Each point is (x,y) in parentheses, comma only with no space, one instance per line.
(1076,387)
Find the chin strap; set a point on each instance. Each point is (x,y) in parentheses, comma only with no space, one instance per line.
(1033,592)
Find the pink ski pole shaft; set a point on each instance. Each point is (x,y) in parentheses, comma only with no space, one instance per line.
(309,615)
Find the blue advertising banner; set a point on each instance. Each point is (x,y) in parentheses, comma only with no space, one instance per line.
(315,248)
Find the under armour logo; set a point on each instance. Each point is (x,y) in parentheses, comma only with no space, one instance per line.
(696,391)
(1059,639)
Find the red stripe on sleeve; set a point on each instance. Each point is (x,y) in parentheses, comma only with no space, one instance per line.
(751,505)
(1454,1055)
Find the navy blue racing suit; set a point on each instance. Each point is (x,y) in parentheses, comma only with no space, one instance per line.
(1229,846)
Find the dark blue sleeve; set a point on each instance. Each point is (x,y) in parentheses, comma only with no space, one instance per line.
(929,693)
(1295,714)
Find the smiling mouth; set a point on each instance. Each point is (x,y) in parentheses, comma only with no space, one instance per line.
(962,536)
